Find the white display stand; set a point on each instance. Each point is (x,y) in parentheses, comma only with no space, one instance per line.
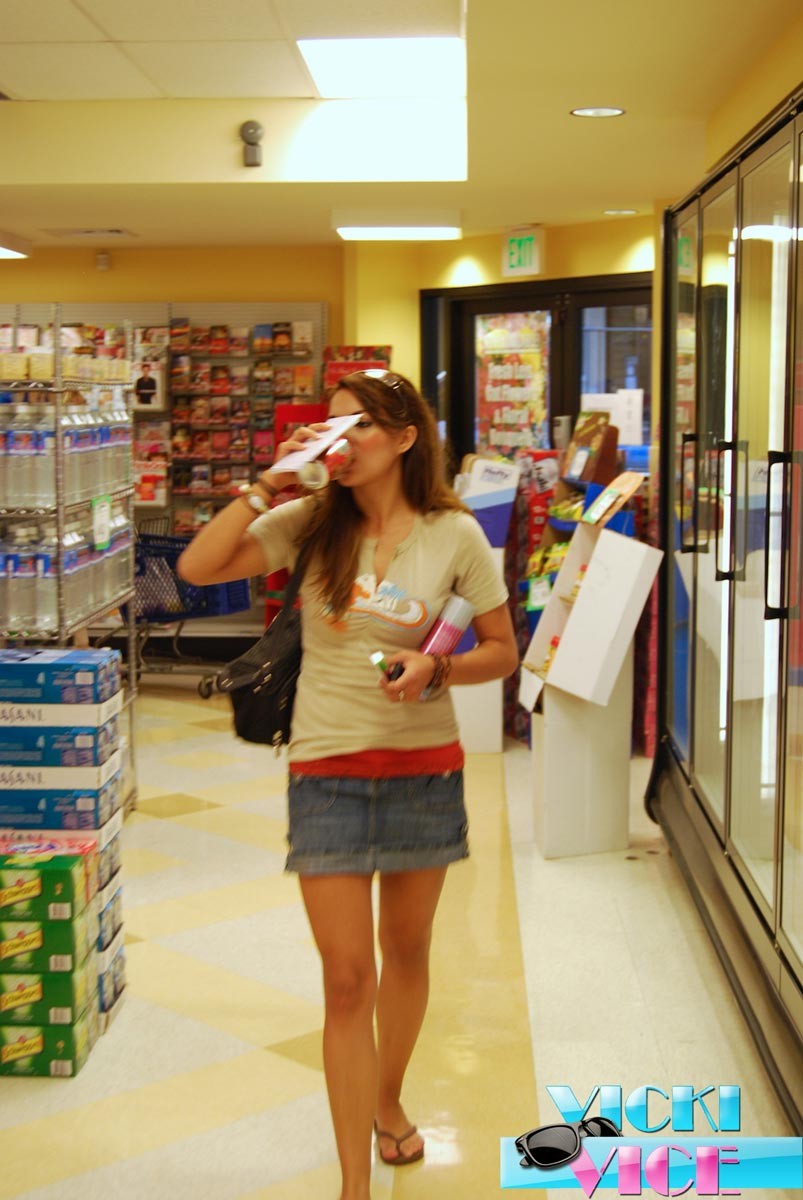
(581,770)
(581,733)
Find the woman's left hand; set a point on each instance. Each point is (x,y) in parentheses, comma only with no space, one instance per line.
(417,674)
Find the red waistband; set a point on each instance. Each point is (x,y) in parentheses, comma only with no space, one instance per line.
(379,764)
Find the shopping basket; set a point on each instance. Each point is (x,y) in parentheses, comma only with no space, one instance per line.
(160,595)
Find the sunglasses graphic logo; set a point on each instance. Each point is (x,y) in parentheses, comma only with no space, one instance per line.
(552,1146)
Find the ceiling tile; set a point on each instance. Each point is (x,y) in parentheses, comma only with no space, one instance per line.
(223,69)
(47,21)
(372,18)
(96,71)
(180,20)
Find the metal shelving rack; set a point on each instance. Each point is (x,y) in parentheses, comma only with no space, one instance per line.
(68,625)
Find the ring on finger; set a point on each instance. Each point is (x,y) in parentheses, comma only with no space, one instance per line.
(401,696)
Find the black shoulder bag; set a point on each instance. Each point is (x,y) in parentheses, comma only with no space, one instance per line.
(261,683)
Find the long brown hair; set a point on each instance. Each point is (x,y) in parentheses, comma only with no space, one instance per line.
(334,530)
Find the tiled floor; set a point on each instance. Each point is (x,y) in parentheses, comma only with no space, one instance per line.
(209,1084)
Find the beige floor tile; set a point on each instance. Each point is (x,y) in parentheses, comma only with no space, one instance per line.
(148,1117)
(146,862)
(165,735)
(323,1181)
(218,904)
(248,789)
(175,804)
(242,1007)
(203,760)
(251,829)
(307,1050)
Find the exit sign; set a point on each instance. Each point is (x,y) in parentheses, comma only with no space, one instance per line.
(523,251)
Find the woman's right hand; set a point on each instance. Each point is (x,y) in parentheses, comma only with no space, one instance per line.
(280,479)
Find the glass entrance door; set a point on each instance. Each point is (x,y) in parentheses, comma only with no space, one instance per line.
(511,382)
(792,845)
(714,496)
(765,235)
(682,438)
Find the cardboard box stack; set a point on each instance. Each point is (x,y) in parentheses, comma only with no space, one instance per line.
(62,967)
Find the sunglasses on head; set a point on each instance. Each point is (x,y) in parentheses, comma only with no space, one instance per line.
(552,1146)
(387,377)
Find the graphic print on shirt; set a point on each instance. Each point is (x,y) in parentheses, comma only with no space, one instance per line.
(387,603)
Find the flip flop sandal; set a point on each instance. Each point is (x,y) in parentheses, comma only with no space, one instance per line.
(400,1160)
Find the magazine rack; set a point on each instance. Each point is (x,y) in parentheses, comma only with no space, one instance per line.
(582,706)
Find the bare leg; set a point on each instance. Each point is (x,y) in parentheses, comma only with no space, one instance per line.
(339,910)
(407,903)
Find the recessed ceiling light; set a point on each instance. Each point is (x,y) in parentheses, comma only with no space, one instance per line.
(599,111)
(621,212)
(399,233)
(353,68)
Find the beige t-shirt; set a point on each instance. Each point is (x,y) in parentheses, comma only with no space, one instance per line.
(340,707)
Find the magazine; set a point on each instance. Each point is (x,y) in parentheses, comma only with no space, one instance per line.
(218,339)
(220,443)
(304,381)
(181,441)
(282,337)
(239,444)
(238,340)
(219,381)
(240,409)
(221,477)
(180,373)
(239,376)
(179,335)
(301,334)
(262,377)
(199,410)
(200,443)
(200,480)
(149,389)
(201,373)
(219,410)
(202,513)
(183,520)
(182,477)
(151,441)
(199,339)
(284,382)
(262,442)
(262,339)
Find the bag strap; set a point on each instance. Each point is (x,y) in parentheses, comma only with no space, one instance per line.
(292,588)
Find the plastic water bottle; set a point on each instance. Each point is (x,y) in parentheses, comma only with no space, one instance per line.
(69,568)
(84,578)
(45,459)
(22,586)
(47,599)
(106,474)
(123,473)
(5,420)
(20,454)
(3,586)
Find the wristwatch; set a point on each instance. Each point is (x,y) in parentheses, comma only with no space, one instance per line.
(253,499)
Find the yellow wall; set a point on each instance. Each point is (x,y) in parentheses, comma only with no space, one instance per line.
(757,93)
(204,273)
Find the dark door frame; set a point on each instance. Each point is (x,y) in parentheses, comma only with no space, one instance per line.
(447,337)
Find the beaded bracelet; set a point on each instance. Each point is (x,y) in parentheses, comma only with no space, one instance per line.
(443,667)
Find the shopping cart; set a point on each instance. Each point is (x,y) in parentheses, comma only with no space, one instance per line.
(162,598)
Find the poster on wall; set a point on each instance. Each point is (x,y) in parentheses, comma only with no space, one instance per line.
(512,375)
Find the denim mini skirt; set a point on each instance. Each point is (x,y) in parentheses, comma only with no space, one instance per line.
(345,825)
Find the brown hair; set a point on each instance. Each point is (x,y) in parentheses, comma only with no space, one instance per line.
(333,533)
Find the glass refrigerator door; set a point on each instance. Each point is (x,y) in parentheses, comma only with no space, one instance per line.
(683,436)
(765,234)
(792,852)
(714,497)
(512,381)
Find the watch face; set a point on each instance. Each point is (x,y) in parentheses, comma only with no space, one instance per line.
(257,504)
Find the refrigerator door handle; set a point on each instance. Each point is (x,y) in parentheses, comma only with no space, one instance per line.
(730,574)
(775,458)
(688,439)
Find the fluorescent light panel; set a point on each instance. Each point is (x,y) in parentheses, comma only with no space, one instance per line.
(399,233)
(353,68)
(12,246)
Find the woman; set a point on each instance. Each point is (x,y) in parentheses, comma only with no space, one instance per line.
(376,779)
